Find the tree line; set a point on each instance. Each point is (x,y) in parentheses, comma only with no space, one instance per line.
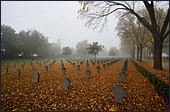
(140,28)
(30,44)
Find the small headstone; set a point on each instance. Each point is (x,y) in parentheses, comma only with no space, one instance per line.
(62,65)
(39,64)
(120,92)
(22,66)
(63,70)
(37,76)
(87,65)
(66,83)
(49,65)
(88,72)
(98,61)
(14,65)
(78,67)
(46,68)
(18,73)
(104,66)
(32,67)
(73,64)
(81,63)
(122,77)
(6,71)
(98,68)
(108,64)
(24,62)
(93,64)
(124,69)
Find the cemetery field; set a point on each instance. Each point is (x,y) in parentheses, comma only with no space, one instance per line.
(93,94)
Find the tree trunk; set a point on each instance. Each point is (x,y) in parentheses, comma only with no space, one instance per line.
(137,53)
(133,51)
(158,44)
(140,59)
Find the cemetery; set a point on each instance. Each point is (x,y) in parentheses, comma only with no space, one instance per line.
(119,86)
(84,56)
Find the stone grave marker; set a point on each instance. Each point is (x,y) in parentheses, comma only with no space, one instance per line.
(37,77)
(46,68)
(63,70)
(39,64)
(22,66)
(98,62)
(108,64)
(122,77)
(93,63)
(66,83)
(87,65)
(24,62)
(124,69)
(104,66)
(78,67)
(6,71)
(81,63)
(73,64)
(32,67)
(18,73)
(14,65)
(98,68)
(120,92)
(49,65)
(62,65)
(88,73)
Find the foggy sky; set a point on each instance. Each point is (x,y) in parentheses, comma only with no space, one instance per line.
(56,20)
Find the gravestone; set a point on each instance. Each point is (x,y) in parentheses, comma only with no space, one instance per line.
(66,83)
(98,68)
(49,65)
(18,73)
(37,77)
(32,67)
(31,63)
(73,64)
(120,92)
(104,66)
(63,70)
(39,64)
(22,66)
(87,65)
(78,67)
(6,71)
(14,65)
(81,63)
(46,68)
(108,64)
(93,64)
(62,65)
(88,73)
(122,77)
(124,69)
(24,62)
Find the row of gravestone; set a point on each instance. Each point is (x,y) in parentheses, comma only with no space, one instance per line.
(119,91)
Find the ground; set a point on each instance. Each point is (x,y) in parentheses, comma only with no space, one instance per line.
(94,94)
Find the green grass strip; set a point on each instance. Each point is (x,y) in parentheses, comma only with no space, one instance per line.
(161,87)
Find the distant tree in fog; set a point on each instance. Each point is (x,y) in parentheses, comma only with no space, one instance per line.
(66,50)
(95,48)
(81,48)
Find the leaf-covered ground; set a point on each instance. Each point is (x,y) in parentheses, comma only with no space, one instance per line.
(94,94)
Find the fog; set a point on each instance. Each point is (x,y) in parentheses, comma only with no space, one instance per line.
(57,19)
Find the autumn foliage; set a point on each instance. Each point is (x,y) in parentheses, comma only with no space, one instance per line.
(94,94)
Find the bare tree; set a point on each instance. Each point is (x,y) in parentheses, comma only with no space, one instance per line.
(96,14)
